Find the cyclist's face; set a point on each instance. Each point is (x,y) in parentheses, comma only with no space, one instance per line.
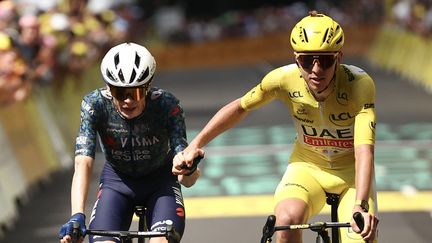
(129,105)
(317,69)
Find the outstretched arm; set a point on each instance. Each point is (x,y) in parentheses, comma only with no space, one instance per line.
(226,118)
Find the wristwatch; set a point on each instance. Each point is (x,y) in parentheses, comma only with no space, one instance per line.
(363,204)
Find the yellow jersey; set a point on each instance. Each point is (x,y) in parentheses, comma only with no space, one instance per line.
(327,131)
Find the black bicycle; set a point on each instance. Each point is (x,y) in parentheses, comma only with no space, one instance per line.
(321,228)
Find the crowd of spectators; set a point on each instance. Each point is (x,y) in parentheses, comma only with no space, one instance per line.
(272,19)
(412,15)
(40,46)
(43,44)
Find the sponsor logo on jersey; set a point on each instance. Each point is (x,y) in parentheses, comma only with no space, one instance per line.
(301,111)
(131,155)
(372,125)
(139,141)
(295,94)
(348,73)
(86,107)
(338,138)
(342,98)
(341,118)
(323,133)
(305,120)
(325,142)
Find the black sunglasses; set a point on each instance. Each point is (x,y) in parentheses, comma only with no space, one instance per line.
(325,60)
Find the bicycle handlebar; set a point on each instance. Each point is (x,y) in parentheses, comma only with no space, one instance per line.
(170,234)
(269,228)
(194,166)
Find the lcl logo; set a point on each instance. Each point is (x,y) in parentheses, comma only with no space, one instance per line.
(341,117)
(295,94)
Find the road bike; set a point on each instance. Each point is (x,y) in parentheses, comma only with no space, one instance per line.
(321,228)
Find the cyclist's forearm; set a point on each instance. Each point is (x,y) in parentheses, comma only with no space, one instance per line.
(364,170)
(80,183)
(226,118)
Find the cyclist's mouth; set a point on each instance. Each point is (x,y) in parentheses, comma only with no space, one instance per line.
(128,109)
(316,80)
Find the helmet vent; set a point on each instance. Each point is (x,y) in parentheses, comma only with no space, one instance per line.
(339,40)
(116,60)
(144,75)
(325,36)
(110,76)
(305,35)
(133,75)
(137,60)
(120,75)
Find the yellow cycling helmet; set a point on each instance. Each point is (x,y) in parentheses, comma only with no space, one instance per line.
(317,33)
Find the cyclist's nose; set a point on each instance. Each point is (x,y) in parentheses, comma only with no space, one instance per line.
(316,66)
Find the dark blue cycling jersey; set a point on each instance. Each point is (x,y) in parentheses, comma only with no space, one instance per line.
(135,146)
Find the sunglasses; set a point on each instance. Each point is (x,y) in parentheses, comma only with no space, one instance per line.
(306,60)
(135,93)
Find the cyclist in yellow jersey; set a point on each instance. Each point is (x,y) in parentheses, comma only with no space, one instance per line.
(332,105)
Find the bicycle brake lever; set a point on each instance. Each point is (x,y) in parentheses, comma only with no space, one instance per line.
(358,218)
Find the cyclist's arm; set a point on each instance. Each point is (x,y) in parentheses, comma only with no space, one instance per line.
(364,140)
(80,183)
(226,118)
(364,155)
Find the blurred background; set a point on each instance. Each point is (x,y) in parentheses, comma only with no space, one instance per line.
(207,53)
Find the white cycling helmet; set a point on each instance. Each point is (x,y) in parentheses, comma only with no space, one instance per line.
(128,65)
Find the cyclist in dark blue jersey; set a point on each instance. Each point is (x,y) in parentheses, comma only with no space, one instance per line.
(140,129)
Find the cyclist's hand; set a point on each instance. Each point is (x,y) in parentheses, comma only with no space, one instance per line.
(65,233)
(185,157)
(189,180)
(370,226)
